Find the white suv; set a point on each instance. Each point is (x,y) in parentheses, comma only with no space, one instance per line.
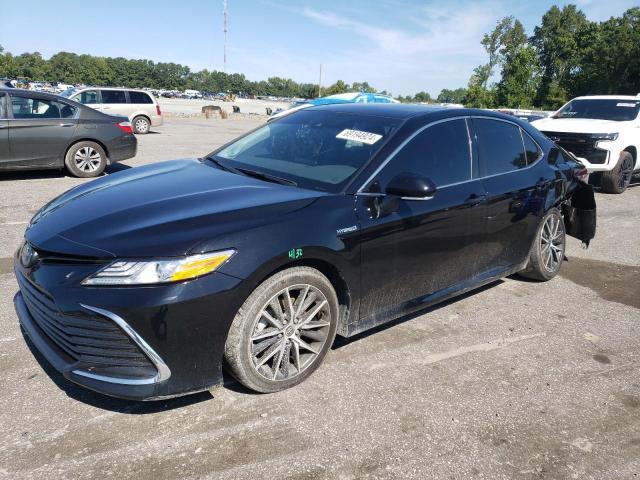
(603,132)
(139,106)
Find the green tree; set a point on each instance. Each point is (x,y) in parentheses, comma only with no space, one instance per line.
(422,97)
(452,96)
(556,41)
(338,87)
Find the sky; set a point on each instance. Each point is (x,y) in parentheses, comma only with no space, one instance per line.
(402,46)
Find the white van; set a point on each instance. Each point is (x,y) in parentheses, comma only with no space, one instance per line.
(139,106)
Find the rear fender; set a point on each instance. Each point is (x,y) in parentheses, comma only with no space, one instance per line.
(580,214)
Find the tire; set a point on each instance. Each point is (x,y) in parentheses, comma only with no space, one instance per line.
(85,159)
(618,179)
(267,353)
(141,125)
(544,261)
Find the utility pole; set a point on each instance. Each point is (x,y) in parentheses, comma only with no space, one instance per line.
(224,3)
(319,82)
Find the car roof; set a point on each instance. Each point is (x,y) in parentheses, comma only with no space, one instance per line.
(404,111)
(608,97)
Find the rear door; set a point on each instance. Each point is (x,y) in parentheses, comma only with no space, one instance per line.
(38,135)
(114,102)
(515,187)
(5,154)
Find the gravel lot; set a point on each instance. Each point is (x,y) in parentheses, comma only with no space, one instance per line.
(518,380)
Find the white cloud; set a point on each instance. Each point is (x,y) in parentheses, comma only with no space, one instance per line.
(439,50)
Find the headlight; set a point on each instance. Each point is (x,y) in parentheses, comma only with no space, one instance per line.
(124,272)
(604,136)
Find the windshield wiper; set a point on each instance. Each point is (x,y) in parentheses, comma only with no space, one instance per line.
(266,176)
(224,166)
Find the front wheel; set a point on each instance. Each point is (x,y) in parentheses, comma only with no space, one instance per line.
(283,331)
(547,252)
(618,179)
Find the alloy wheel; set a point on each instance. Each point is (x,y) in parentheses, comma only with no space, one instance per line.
(552,243)
(87,159)
(290,332)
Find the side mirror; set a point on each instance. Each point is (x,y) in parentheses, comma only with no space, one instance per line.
(411,186)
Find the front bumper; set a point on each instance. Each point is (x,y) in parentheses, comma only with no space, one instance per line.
(179,328)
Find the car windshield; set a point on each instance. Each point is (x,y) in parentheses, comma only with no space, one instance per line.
(601,109)
(68,92)
(316,150)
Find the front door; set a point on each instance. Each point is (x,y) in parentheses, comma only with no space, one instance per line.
(38,133)
(5,154)
(425,247)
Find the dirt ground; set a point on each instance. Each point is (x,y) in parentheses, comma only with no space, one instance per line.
(517,380)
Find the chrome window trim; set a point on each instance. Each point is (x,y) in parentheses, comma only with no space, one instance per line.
(163,370)
(421,129)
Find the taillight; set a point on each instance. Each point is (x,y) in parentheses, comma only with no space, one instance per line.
(581,174)
(158,109)
(125,127)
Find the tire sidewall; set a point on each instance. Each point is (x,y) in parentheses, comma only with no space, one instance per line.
(611,178)
(245,321)
(135,126)
(71,165)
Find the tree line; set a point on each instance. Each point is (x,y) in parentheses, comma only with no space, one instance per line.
(566,56)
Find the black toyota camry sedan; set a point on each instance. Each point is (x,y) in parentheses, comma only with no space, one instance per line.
(147,283)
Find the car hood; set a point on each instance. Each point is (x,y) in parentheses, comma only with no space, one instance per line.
(164,209)
(579,125)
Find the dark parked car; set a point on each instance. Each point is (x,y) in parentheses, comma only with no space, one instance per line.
(334,219)
(43,131)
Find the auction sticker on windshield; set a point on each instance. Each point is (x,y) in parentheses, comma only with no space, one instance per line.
(359,136)
(631,105)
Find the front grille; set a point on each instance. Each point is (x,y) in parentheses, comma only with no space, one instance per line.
(580,144)
(95,341)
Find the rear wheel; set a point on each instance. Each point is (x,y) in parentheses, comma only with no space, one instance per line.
(618,179)
(141,125)
(86,159)
(283,331)
(547,252)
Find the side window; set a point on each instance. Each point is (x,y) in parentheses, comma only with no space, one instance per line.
(3,105)
(113,96)
(25,107)
(441,153)
(139,97)
(87,98)
(531,148)
(499,146)
(67,111)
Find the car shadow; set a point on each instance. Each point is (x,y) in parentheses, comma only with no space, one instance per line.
(44,174)
(133,407)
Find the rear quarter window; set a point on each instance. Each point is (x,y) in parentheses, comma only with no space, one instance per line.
(139,97)
(499,146)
